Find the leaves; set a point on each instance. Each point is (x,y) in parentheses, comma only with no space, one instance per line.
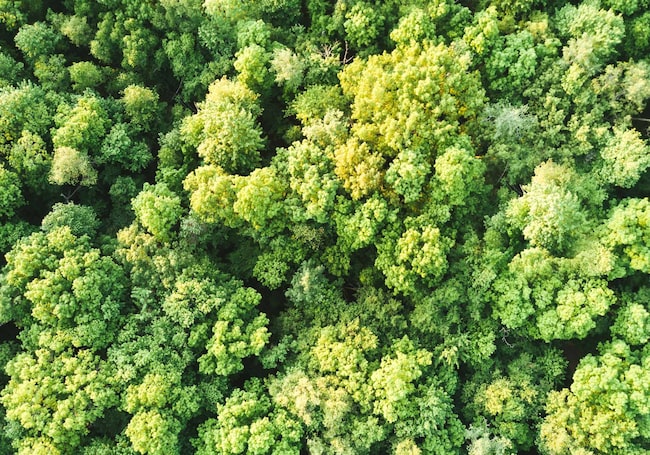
(349,227)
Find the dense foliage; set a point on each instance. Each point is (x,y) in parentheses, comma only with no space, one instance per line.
(327,227)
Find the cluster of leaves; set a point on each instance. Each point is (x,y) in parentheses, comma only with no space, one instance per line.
(329,227)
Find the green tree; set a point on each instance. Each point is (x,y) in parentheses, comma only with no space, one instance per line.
(627,233)
(225,130)
(10,193)
(81,219)
(57,285)
(55,395)
(248,423)
(158,210)
(605,409)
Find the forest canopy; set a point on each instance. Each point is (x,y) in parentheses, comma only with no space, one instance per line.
(326,227)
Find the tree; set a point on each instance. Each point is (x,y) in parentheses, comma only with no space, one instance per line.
(55,396)
(141,105)
(81,126)
(606,407)
(626,234)
(554,298)
(10,192)
(224,130)
(81,219)
(414,98)
(57,285)
(71,167)
(85,75)
(625,158)
(413,254)
(248,423)
(24,108)
(552,213)
(37,40)
(160,406)
(158,210)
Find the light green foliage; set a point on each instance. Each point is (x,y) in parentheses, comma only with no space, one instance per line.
(24,108)
(259,200)
(459,176)
(483,34)
(358,225)
(157,404)
(363,24)
(238,333)
(37,40)
(315,102)
(512,64)
(77,30)
(30,159)
(628,234)
(592,36)
(10,195)
(10,233)
(158,209)
(514,8)
(416,26)
(247,423)
(551,214)
(11,14)
(607,407)
(407,174)
(63,288)
(52,74)
(627,7)
(554,298)
(82,126)
(252,65)
(333,401)
(212,195)
(330,227)
(85,75)
(352,400)
(141,105)
(139,44)
(151,432)
(71,167)
(233,9)
(55,396)
(511,402)
(288,68)
(633,322)
(10,70)
(413,98)
(416,254)
(273,265)
(359,169)
(188,314)
(629,79)
(393,380)
(481,442)
(225,130)
(625,157)
(253,32)
(311,177)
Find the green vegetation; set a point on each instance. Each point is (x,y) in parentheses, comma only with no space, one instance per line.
(327,227)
